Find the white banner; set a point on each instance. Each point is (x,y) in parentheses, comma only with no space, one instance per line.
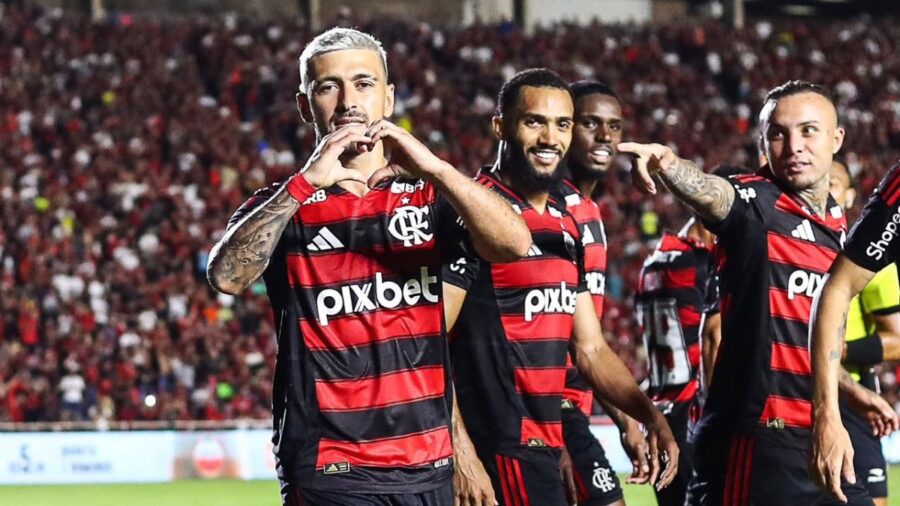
(159,456)
(85,457)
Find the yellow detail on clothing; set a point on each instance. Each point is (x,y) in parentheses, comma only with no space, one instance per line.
(882,292)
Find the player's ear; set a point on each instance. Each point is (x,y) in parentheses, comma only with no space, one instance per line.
(838,139)
(851,198)
(497,126)
(389,101)
(304,107)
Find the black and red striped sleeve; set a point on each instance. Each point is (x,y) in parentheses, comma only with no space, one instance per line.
(749,205)
(872,243)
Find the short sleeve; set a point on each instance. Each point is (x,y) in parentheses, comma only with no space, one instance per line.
(454,239)
(711,294)
(872,243)
(749,193)
(882,294)
(461,272)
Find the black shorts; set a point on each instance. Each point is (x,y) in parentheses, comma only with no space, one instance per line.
(295,496)
(595,480)
(673,495)
(530,481)
(868,459)
(758,469)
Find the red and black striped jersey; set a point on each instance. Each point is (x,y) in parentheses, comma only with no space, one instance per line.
(872,242)
(676,289)
(587,215)
(510,341)
(360,397)
(774,254)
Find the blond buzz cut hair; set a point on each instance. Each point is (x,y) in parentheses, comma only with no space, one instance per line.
(338,39)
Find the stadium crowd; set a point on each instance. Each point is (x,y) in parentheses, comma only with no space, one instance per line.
(126,144)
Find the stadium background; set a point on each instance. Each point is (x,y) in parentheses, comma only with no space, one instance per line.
(131,129)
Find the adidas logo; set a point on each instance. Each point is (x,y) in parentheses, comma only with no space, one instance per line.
(587,237)
(534,251)
(804,231)
(324,241)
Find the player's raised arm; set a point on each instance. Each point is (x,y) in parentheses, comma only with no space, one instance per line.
(242,254)
(497,232)
(710,196)
(609,377)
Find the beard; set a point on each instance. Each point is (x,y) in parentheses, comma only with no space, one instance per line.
(524,173)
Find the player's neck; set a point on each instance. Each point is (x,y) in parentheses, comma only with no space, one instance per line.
(585,184)
(816,197)
(536,198)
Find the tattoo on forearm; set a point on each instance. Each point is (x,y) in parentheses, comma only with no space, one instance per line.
(709,195)
(841,332)
(243,253)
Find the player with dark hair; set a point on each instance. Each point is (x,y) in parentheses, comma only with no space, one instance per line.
(677,304)
(517,319)
(872,335)
(587,474)
(350,249)
(778,232)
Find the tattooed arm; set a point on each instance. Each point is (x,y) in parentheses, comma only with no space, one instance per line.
(710,196)
(243,253)
(831,454)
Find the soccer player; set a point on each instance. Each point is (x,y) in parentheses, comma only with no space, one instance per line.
(676,293)
(597,130)
(510,342)
(873,336)
(778,232)
(862,306)
(350,249)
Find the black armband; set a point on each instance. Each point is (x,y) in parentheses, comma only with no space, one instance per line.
(865,351)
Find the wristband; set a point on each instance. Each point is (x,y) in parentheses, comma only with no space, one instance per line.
(866,351)
(299,188)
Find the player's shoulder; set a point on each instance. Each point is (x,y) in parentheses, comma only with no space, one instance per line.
(888,188)
(488,178)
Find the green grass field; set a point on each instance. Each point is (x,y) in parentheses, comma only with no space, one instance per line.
(213,493)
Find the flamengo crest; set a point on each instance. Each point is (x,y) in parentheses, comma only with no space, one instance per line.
(410,225)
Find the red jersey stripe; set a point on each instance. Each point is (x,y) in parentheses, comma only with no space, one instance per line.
(372,205)
(375,327)
(693,351)
(891,193)
(340,268)
(781,305)
(689,316)
(544,381)
(794,412)
(541,328)
(534,272)
(404,451)
(680,278)
(789,358)
(800,254)
(550,433)
(379,391)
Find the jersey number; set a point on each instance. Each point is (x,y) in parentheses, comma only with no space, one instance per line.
(664,339)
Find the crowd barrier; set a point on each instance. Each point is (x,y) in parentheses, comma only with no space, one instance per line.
(188,451)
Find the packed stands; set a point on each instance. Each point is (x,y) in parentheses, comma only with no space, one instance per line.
(125,145)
